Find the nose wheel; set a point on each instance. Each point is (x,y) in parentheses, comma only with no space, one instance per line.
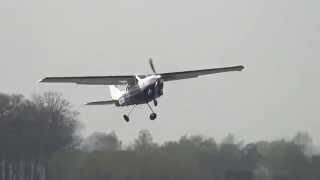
(153,115)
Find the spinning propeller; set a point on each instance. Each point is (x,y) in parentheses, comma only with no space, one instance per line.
(152,66)
(158,85)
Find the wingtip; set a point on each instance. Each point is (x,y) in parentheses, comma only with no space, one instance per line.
(88,103)
(241,67)
(40,81)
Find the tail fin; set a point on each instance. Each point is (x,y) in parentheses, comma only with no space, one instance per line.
(101,103)
(115,92)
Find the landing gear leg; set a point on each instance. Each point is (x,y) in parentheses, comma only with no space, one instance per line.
(126,116)
(153,115)
(155,102)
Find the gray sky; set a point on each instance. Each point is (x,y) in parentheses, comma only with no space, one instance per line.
(277,40)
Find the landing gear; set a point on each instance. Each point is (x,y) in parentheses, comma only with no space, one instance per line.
(126,116)
(153,115)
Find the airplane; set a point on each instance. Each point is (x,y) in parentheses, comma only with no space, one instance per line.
(133,90)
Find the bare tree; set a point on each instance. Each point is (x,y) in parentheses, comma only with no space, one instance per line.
(31,131)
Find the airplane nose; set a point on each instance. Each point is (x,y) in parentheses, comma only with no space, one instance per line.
(159,87)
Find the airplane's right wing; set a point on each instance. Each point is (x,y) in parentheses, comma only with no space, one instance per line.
(194,74)
(92,80)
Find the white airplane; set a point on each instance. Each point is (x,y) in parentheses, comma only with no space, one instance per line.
(137,89)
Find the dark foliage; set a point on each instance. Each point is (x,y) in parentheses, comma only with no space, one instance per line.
(193,157)
(31,131)
(37,142)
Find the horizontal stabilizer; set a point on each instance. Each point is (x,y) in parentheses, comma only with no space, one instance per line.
(102,103)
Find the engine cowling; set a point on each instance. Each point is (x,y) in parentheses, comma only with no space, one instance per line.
(158,87)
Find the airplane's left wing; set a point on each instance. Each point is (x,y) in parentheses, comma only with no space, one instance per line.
(92,80)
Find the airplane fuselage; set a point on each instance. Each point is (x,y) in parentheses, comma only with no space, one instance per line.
(146,90)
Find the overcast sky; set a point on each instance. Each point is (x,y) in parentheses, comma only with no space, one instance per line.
(278,41)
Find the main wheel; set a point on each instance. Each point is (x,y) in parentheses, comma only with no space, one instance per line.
(153,116)
(126,118)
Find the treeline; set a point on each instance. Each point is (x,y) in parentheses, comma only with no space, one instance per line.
(101,157)
(31,131)
(39,141)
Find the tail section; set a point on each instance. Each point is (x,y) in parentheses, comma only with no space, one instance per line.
(115,92)
(102,103)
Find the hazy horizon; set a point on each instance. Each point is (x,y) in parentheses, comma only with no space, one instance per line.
(277,41)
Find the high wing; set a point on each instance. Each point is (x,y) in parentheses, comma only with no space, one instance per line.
(194,74)
(92,80)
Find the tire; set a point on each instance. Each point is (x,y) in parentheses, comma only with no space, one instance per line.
(126,118)
(153,116)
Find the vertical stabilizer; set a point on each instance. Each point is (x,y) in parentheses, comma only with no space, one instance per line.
(115,92)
